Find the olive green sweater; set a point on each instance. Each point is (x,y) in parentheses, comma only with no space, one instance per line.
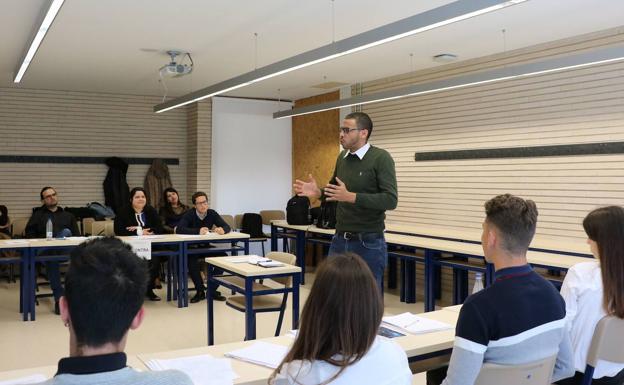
(373,179)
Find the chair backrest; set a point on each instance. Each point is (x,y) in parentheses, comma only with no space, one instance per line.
(287,258)
(272,215)
(533,373)
(238,221)
(18,227)
(106,228)
(109,230)
(87,224)
(252,224)
(230,221)
(607,341)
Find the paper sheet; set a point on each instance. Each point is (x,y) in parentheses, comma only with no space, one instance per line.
(32,379)
(414,324)
(202,369)
(261,353)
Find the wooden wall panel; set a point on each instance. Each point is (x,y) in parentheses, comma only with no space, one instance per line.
(67,123)
(571,107)
(315,141)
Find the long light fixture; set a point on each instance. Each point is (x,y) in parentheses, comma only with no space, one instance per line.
(434,18)
(53,10)
(601,56)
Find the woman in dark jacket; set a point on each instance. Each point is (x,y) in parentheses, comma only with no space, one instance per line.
(138,218)
(173,210)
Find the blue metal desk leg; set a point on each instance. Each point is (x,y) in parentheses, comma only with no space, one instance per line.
(410,281)
(210,309)
(246,246)
(273,238)
(184,274)
(25,283)
(429,281)
(300,253)
(180,274)
(250,325)
(32,283)
(233,245)
(392,272)
(295,303)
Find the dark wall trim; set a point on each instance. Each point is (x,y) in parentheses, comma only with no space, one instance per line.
(78,159)
(524,152)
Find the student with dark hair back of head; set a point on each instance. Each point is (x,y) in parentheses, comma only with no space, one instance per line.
(337,341)
(100,316)
(593,289)
(520,318)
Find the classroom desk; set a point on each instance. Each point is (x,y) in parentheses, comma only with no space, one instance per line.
(570,246)
(36,250)
(463,258)
(416,347)
(246,274)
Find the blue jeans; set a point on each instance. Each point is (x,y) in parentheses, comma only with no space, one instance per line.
(370,246)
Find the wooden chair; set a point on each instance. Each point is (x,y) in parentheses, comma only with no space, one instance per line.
(18,227)
(606,345)
(533,373)
(264,303)
(230,221)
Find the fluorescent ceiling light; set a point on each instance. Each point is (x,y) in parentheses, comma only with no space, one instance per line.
(55,6)
(434,18)
(601,56)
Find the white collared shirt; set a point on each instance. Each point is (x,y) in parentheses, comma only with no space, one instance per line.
(361,152)
(582,291)
(384,364)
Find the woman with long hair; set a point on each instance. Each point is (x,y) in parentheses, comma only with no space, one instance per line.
(594,289)
(173,210)
(337,341)
(139,218)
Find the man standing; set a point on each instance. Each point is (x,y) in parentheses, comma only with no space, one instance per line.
(518,319)
(63,225)
(202,220)
(364,185)
(99,317)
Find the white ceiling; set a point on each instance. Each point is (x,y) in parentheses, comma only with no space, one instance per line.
(117,46)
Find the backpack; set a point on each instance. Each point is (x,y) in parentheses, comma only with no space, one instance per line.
(100,210)
(327,216)
(252,224)
(298,211)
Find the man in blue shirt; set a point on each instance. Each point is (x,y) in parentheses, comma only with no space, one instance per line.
(201,221)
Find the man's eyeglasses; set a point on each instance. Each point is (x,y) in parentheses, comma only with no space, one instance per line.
(49,196)
(201,203)
(347,130)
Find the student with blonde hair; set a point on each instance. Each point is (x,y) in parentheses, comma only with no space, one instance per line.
(337,342)
(593,289)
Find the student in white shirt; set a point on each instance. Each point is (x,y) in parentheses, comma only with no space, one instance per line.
(594,289)
(337,341)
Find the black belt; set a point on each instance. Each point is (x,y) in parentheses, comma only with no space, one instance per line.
(349,235)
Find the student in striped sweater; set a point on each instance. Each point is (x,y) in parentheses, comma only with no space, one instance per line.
(518,319)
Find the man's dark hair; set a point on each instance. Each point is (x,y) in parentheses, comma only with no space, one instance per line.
(104,287)
(197,195)
(515,219)
(43,189)
(362,121)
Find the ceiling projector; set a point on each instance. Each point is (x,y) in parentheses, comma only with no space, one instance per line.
(174,69)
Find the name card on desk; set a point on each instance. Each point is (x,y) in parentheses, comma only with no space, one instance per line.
(142,248)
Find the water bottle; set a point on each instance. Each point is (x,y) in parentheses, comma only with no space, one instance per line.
(139,231)
(478,283)
(49,230)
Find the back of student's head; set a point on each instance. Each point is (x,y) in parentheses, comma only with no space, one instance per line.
(515,219)
(341,315)
(104,289)
(605,226)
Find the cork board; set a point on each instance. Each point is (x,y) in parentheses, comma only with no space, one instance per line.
(315,141)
